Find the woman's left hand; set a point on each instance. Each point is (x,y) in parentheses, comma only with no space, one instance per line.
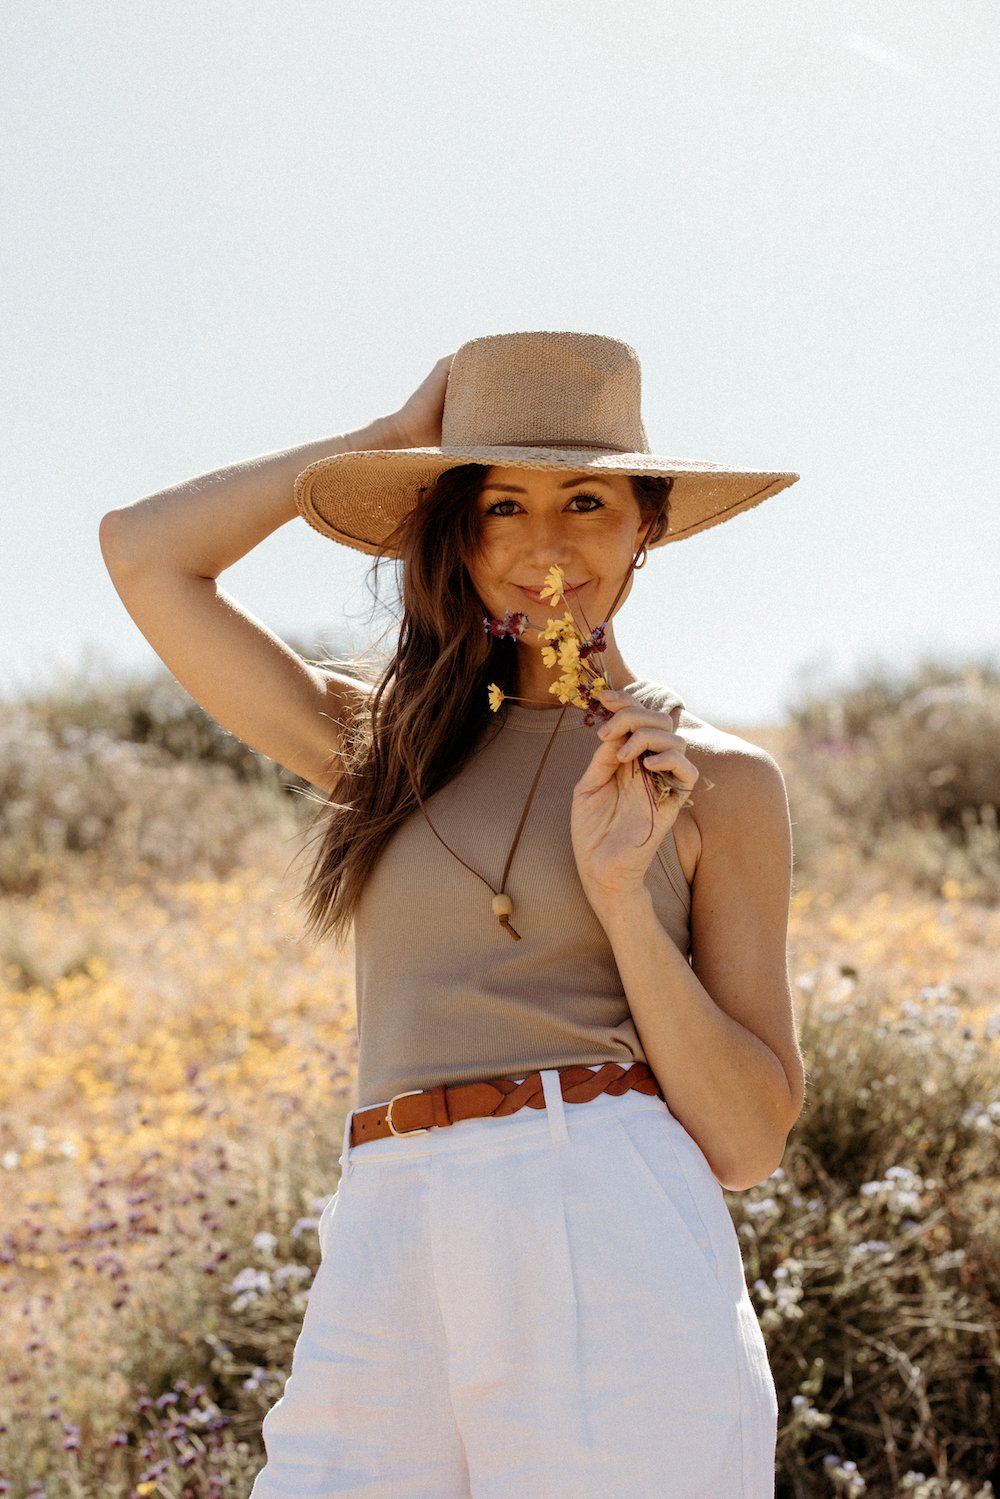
(617,822)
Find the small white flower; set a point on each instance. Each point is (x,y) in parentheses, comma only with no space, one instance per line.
(764,1205)
(872,1246)
(251,1280)
(292,1272)
(304,1225)
(265,1242)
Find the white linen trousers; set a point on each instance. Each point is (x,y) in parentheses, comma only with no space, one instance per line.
(548,1304)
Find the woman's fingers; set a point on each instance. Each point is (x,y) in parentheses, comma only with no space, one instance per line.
(420,416)
(651,740)
(630,716)
(643,736)
(633,732)
(636,734)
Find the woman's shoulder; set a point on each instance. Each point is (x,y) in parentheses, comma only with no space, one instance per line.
(720,755)
(722,744)
(740,794)
(742,791)
(654,695)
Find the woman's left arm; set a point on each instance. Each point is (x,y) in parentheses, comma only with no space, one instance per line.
(718,1033)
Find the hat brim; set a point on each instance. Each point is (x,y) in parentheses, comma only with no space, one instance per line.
(359,498)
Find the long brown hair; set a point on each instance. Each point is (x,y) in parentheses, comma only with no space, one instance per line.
(429,707)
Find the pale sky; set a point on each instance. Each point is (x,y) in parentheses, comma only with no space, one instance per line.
(234,228)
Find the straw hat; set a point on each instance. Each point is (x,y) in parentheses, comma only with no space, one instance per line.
(533,401)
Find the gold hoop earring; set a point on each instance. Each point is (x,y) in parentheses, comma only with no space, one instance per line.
(641,560)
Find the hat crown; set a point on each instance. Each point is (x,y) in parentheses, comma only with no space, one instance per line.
(573,390)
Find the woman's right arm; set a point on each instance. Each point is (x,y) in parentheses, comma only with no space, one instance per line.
(165,553)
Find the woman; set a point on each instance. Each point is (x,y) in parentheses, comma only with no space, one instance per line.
(575,1025)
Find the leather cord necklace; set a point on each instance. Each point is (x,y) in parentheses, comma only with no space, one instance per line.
(503,906)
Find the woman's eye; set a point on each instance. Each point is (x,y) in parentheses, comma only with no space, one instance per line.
(585,502)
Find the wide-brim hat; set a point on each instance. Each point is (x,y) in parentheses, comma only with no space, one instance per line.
(533,401)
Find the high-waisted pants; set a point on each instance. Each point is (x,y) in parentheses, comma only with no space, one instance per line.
(543,1305)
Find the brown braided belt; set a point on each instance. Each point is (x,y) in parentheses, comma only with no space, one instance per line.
(414,1113)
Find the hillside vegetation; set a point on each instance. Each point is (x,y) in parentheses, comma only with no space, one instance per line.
(180,1061)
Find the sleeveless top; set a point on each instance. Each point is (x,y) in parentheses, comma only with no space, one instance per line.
(444,993)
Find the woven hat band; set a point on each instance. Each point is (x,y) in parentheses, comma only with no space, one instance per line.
(544,390)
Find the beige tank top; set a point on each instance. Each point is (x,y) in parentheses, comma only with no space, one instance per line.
(444,994)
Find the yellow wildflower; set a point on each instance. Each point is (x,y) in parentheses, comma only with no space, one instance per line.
(567,691)
(548,656)
(557,628)
(496,696)
(552,588)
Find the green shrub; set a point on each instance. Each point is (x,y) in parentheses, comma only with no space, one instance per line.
(872,1253)
(76,791)
(905,770)
(135,773)
(151,710)
(848,712)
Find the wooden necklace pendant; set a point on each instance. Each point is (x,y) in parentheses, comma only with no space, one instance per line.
(503,910)
(503,906)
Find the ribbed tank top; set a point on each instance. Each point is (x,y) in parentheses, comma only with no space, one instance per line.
(444,994)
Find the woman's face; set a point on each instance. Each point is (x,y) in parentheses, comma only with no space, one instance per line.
(533,519)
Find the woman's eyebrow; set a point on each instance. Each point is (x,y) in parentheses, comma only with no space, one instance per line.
(515,489)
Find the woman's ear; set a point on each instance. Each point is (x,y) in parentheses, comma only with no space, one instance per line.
(645,533)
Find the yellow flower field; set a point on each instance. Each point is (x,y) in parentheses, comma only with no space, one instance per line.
(177,1068)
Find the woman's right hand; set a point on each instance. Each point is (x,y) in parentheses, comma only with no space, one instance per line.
(418,420)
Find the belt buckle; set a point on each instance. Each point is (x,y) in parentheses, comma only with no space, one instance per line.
(388,1114)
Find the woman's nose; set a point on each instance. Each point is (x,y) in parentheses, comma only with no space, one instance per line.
(547,543)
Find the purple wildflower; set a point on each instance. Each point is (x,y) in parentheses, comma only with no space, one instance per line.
(512,625)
